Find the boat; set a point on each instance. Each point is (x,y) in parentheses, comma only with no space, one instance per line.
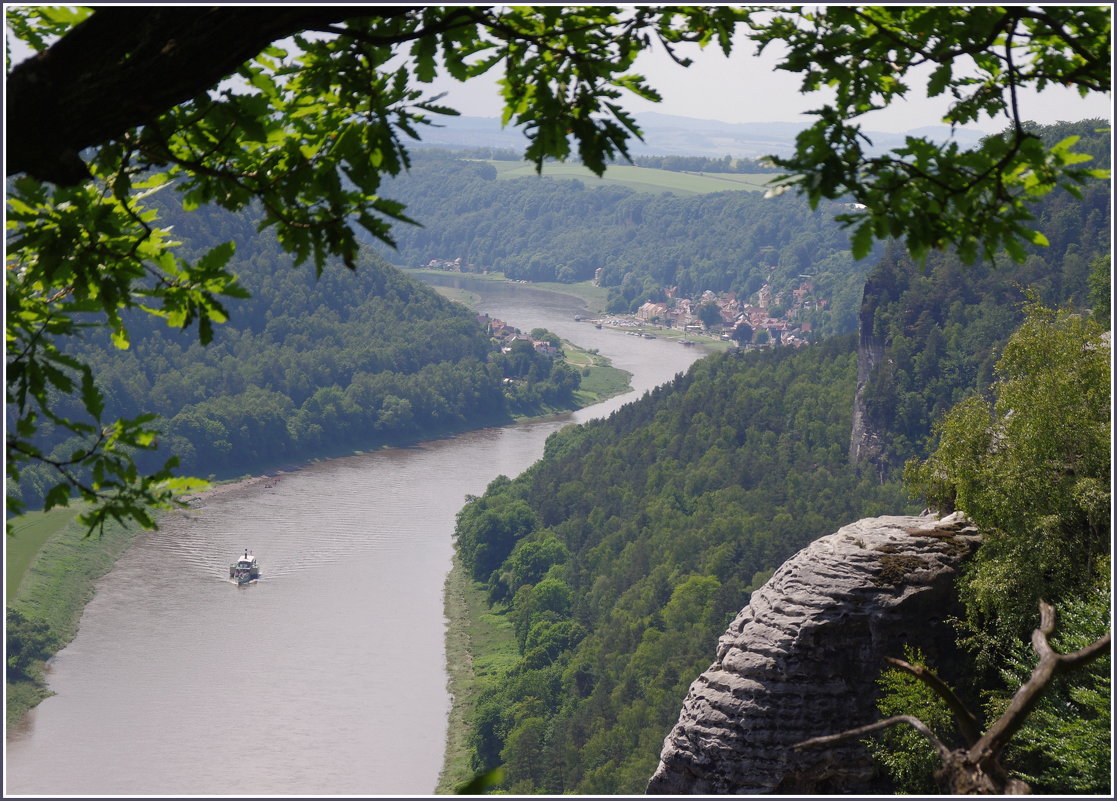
(245,569)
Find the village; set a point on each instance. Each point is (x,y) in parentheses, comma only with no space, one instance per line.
(767,322)
(764,319)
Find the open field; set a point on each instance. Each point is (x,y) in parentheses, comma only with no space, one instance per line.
(642,179)
(595,297)
(600,380)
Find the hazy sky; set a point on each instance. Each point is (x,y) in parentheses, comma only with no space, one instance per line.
(747,88)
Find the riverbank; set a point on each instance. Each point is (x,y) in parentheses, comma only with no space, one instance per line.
(470,629)
(51,571)
(595,297)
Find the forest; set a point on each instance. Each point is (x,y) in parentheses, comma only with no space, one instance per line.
(941,325)
(620,557)
(306,366)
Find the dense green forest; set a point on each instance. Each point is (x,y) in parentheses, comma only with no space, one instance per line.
(307,366)
(623,554)
(549,229)
(620,557)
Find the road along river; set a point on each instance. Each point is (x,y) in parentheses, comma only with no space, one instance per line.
(326,677)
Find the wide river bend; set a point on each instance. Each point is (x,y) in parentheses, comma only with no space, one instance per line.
(326,677)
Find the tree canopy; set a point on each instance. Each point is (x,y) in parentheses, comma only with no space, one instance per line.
(126,100)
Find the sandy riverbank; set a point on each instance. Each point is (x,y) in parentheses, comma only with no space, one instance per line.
(266,481)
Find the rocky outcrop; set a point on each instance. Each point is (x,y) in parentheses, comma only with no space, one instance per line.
(802,660)
(883,286)
(865,444)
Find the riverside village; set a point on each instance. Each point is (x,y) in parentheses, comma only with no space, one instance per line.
(764,319)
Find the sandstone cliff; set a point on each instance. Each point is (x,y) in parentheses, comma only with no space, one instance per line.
(866,445)
(802,659)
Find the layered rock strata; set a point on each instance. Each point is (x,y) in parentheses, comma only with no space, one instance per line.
(802,660)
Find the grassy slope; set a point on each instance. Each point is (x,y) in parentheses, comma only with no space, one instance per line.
(642,179)
(471,630)
(53,580)
(29,533)
(595,297)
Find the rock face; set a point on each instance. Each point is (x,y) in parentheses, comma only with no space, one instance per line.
(865,446)
(802,660)
(882,287)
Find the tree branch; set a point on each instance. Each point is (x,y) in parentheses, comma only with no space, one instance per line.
(1051,664)
(967,723)
(977,769)
(125,65)
(880,725)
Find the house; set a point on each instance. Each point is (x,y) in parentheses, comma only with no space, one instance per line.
(545,348)
(498,329)
(651,311)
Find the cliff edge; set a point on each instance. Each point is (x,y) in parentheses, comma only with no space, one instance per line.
(802,660)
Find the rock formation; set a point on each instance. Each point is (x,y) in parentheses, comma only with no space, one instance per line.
(883,286)
(865,444)
(802,660)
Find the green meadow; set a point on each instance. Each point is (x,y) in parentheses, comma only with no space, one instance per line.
(642,179)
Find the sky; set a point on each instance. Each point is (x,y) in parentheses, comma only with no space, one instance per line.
(744,88)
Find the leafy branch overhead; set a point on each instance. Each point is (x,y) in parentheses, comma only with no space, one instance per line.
(122,101)
(934,195)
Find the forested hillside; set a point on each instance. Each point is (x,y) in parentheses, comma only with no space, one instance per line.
(619,558)
(549,229)
(307,366)
(622,555)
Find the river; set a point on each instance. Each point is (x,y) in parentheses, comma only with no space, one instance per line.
(326,677)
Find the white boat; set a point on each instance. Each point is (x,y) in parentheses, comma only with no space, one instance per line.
(245,569)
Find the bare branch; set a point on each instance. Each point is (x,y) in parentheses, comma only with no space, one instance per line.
(977,769)
(967,723)
(915,723)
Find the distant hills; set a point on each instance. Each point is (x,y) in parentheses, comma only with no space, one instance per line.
(668,135)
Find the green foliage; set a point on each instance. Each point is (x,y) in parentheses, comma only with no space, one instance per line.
(487,531)
(1101,290)
(906,755)
(938,194)
(58,240)
(481,783)
(709,314)
(312,131)
(28,641)
(1066,746)
(940,329)
(1032,469)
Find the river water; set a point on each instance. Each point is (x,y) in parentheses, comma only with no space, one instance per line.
(326,677)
